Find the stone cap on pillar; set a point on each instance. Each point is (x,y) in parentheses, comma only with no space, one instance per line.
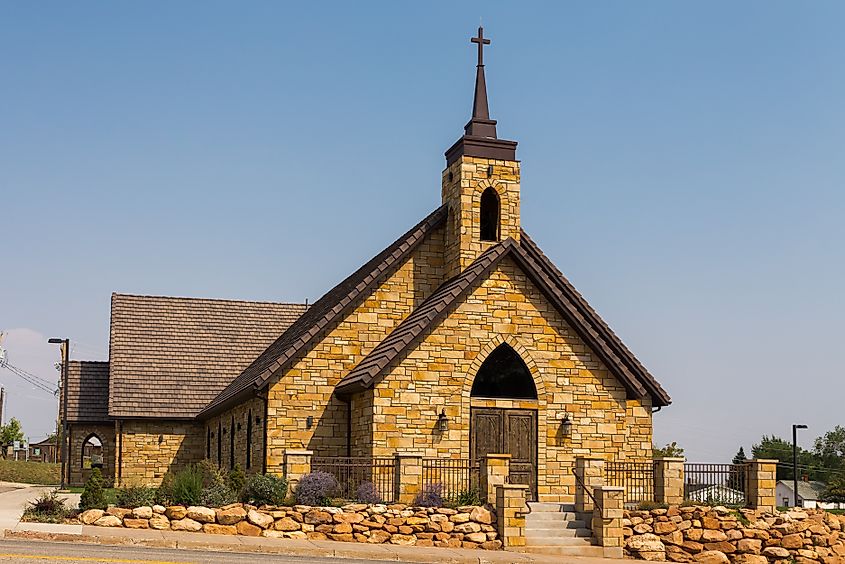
(299,452)
(762,460)
(495,455)
(670,459)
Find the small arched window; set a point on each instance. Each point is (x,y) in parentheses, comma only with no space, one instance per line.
(92,452)
(489,215)
(504,375)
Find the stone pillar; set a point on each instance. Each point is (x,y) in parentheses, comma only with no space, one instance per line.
(762,479)
(297,463)
(511,511)
(494,471)
(590,470)
(669,480)
(408,480)
(607,519)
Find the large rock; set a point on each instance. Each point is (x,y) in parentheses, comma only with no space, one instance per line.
(160,509)
(259,519)
(131,523)
(467,528)
(109,521)
(775,552)
(286,524)
(214,529)
(476,537)
(792,541)
(248,529)
(482,515)
(664,527)
(231,515)
(118,511)
(90,516)
(201,514)
(751,546)
(317,517)
(144,512)
(185,524)
(711,557)
(750,559)
(378,537)
(404,540)
(459,518)
(348,517)
(159,522)
(176,512)
(645,543)
(710,535)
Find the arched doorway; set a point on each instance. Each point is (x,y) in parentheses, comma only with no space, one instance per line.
(503,378)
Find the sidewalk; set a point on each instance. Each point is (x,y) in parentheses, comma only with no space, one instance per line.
(286,547)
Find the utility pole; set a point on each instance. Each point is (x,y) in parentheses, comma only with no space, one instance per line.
(2,404)
(795,462)
(65,343)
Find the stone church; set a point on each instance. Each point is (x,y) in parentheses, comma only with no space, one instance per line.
(459,339)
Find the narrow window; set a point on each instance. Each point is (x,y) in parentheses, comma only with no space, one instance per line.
(249,439)
(219,442)
(232,445)
(92,452)
(208,442)
(489,215)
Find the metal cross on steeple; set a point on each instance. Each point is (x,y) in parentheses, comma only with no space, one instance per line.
(482,41)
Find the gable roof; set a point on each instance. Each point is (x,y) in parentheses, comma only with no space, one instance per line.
(170,356)
(336,303)
(583,319)
(88,391)
(808,491)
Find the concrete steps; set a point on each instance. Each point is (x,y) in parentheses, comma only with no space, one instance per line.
(555,529)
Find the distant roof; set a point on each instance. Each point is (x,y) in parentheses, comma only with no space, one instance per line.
(569,303)
(46,442)
(170,356)
(809,491)
(331,307)
(88,391)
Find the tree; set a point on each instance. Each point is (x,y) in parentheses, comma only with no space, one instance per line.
(835,490)
(671,450)
(830,449)
(739,457)
(736,479)
(11,432)
(775,448)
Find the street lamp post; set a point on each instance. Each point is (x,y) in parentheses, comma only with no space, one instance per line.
(65,343)
(795,462)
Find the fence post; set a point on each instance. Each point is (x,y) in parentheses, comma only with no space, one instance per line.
(762,478)
(607,519)
(408,481)
(669,480)
(494,471)
(590,469)
(297,463)
(511,511)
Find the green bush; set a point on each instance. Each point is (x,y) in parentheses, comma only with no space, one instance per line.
(47,508)
(136,496)
(649,505)
(217,495)
(236,480)
(468,497)
(265,489)
(94,495)
(183,487)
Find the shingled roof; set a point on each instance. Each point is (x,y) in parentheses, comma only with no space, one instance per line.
(584,320)
(336,303)
(171,356)
(88,391)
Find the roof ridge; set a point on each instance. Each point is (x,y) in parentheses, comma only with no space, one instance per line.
(322,313)
(196,298)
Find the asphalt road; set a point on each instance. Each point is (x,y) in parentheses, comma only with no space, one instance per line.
(67,553)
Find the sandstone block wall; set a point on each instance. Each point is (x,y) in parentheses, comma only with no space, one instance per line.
(241,426)
(150,449)
(78,434)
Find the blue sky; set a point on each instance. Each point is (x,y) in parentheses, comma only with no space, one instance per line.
(682,164)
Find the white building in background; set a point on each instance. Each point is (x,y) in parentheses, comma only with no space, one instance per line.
(808,495)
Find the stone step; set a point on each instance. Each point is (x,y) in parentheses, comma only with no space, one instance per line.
(546,507)
(554,525)
(551,517)
(547,534)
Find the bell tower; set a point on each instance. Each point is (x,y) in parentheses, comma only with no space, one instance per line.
(480,183)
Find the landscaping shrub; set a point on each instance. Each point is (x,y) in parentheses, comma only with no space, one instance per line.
(183,487)
(649,505)
(236,480)
(367,493)
(265,489)
(316,488)
(136,496)
(47,508)
(468,497)
(430,496)
(217,495)
(94,495)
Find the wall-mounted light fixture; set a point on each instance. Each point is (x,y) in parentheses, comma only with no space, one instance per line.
(239,425)
(489,171)
(442,422)
(160,439)
(309,422)
(566,425)
(257,420)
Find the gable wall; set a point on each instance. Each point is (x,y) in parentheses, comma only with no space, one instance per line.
(438,374)
(306,389)
(148,449)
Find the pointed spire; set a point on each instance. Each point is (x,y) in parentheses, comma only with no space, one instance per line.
(480,138)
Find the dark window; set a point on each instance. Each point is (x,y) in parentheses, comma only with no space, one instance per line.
(232,445)
(219,442)
(489,215)
(208,442)
(248,440)
(504,375)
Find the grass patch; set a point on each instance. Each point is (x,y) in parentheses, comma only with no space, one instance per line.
(23,472)
(836,511)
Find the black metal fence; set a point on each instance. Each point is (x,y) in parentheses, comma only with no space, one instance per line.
(716,484)
(350,472)
(455,476)
(637,478)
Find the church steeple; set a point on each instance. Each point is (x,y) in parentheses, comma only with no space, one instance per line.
(480,183)
(480,138)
